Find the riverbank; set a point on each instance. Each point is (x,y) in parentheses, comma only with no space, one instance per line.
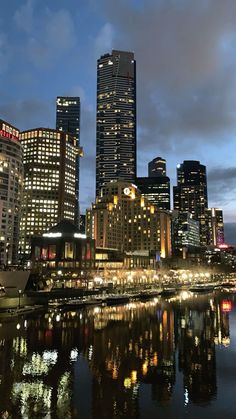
(69,299)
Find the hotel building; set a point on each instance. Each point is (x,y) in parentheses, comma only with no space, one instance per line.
(11,189)
(116,118)
(49,181)
(123,219)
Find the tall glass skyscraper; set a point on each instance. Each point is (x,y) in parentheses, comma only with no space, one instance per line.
(116,118)
(190,194)
(68,120)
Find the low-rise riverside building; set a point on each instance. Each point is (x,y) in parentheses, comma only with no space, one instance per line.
(63,250)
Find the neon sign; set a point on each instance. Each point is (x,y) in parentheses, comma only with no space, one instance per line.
(226,306)
(8,131)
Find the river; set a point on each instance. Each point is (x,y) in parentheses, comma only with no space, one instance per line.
(164,358)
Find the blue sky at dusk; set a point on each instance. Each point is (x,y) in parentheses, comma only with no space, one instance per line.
(186,78)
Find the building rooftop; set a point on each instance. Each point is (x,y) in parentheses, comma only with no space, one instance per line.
(65,227)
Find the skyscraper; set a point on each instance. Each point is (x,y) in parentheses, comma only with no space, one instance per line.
(185,233)
(11,189)
(156,187)
(190,194)
(215,226)
(68,120)
(116,118)
(49,181)
(156,190)
(157,167)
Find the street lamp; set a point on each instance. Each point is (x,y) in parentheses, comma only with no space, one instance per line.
(19,294)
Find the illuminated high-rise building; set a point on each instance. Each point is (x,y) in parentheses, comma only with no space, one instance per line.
(116,118)
(185,233)
(123,219)
(49,181)
(156,187)
(157,167)
(11,189)
(68,120)
(215,226)
(156,190)
(190,194)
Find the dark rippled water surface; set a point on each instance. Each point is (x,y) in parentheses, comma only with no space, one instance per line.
(171,358)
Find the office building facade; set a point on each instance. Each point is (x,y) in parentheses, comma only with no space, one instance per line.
(123,219)
(49,181)
(68,120)
(215,226)
(157,167)
(156,190)
(190,194)
(185,233)
(116,118)
(11,190)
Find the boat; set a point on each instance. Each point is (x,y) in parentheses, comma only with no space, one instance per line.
(228,284)
(117,299)
(74,304)
(167,292)
(83,302)
(14,281)
(202,288)
(147,295)
(17,311)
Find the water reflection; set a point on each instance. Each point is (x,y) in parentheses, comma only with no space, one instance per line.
(100,362)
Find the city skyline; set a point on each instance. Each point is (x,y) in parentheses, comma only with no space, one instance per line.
(185,111)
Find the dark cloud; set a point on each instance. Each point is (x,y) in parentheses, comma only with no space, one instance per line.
(50,35)
(230,233)
(222,186)
(23,16)
(185,68)
(26,114)
(223,174)
(4,54)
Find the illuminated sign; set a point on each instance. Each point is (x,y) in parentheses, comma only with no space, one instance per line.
(8,131)
(127,191)
(80,236)
(226,306)
(53,235)
(223,246)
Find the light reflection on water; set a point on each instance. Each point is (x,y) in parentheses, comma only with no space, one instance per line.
(159,358)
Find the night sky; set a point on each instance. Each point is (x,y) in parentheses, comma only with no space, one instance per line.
(186,78)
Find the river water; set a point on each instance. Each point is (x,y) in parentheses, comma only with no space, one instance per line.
(163,358)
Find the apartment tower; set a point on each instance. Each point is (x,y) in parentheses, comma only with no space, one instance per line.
(116,118)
